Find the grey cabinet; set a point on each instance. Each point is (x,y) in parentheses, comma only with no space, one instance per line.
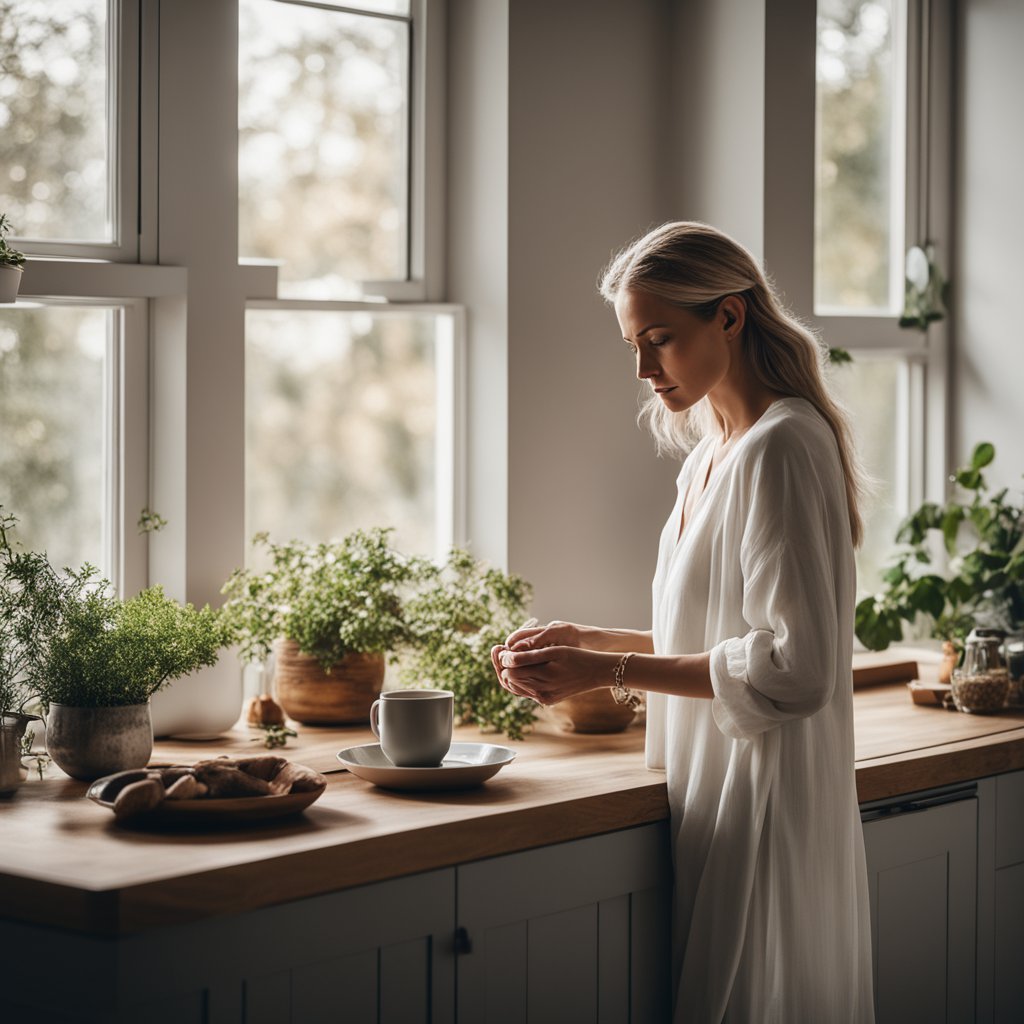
(578,932)
(1007,919)
(573,932)
(379,954)
(922,877)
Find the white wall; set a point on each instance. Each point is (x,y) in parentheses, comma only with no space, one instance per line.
(573,174)
(718,74)
(988,386)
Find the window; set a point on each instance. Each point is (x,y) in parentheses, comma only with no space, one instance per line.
(347,424)
(860,157)
(68,125)
(348,405)
(881,106)
(323,145)
(125,364)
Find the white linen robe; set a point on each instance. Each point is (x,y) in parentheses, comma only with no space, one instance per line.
(770,916)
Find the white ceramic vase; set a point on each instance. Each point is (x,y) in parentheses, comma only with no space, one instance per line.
(88,743)
(10,282)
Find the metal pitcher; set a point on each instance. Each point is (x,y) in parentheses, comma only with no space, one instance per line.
(12,730)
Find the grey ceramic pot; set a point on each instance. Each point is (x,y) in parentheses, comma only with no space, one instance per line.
(88,743)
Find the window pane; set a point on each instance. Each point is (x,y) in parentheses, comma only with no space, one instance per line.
(342,425)
(860,157)
(54,372)
(874,391)
(54,128)
(322,160)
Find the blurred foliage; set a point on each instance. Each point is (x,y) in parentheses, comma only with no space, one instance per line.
(466,608)
(925,292)
(52,428)
(983,583)
(341,414)
(854,205)
(322,146)
(53,118)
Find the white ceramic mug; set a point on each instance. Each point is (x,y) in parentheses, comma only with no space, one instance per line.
(414,726)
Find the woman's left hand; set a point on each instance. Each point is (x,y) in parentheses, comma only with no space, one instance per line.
(550,674)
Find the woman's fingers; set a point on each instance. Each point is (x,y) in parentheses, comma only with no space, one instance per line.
(554,634)
(523,635)
(524,658)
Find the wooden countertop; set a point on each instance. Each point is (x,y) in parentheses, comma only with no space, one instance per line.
(65,862)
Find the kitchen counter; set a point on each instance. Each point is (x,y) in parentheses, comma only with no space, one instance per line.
(65,863)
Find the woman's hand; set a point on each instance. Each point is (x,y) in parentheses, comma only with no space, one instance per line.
(554,634)
(550,674)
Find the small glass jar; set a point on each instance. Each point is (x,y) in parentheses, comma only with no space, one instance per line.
(981,685)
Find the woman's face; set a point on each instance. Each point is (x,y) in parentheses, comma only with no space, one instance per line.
(681,357)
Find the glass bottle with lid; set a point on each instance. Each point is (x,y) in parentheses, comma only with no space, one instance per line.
(982,683)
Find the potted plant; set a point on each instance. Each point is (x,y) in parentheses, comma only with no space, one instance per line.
(461,611)
(28,587)
(329,613)
(975,577)
(104,659)
(11,263)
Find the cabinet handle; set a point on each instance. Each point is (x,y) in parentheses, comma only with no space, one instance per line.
(463,944)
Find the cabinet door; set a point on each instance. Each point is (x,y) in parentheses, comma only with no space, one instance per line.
(922,875)
(379,954)
(1007,918)
(574,932)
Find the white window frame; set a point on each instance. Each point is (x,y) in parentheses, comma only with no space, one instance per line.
(123,22)
(789,217)
(179,444)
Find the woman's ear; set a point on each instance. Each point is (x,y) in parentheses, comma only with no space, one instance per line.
(733,311)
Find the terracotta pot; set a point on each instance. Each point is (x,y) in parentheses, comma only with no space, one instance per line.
(88,743)
(314,697)
(592,712)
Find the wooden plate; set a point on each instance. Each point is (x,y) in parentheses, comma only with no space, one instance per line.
(235,810)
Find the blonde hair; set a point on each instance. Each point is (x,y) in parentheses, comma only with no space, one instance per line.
(694,266)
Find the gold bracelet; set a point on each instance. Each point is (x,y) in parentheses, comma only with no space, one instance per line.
(622,694)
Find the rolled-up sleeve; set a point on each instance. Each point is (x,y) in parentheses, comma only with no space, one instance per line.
(784,667)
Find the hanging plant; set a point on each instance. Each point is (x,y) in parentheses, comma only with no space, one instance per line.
(924,290)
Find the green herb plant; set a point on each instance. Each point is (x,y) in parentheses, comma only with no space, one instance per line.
(109,651)
(983,538)
(274,735)
(332,599)
(8,256)
(464,609)
(32,599)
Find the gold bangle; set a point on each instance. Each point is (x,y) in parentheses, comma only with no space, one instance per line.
(622,694)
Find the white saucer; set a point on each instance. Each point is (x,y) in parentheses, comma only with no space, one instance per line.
(465,765)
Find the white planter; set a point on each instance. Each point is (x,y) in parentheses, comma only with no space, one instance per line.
(10,282)
(202,705)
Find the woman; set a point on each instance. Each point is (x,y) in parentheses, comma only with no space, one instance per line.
(747,670)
